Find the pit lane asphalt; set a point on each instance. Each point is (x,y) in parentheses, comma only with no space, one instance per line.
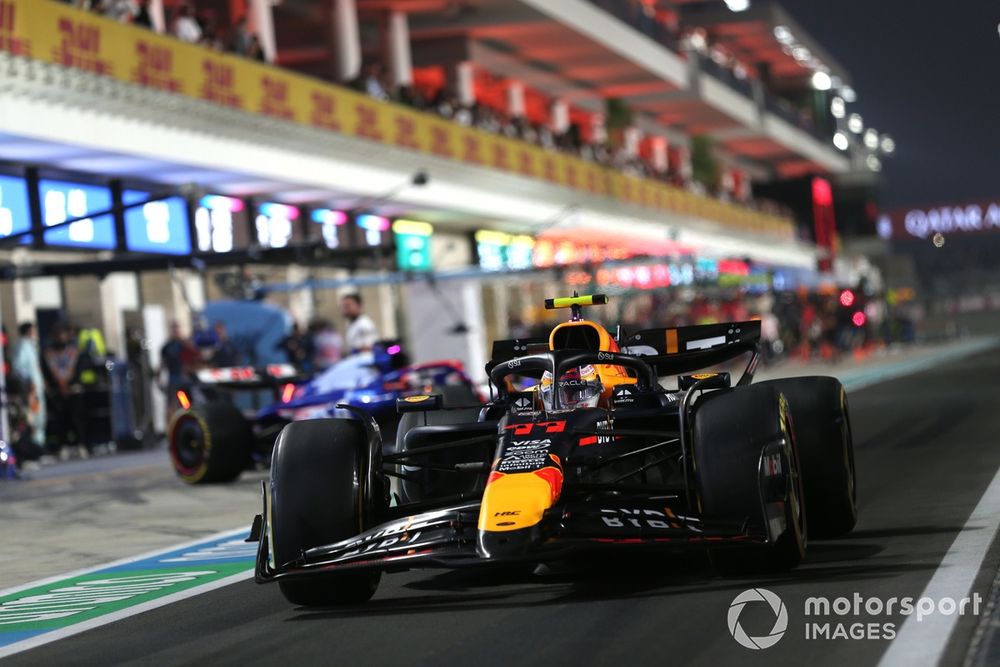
(926,448)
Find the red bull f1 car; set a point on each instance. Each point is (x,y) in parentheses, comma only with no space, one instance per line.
(617,444)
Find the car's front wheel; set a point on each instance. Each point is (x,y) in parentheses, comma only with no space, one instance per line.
(738,436)
(318,469)
(823,433)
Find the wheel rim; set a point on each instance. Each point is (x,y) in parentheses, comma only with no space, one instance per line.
(187,445)
(849,455)
(795,488)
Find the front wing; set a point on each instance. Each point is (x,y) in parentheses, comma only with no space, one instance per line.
(447,538)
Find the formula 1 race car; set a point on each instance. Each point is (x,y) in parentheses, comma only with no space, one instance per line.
(596,455)
(217,433)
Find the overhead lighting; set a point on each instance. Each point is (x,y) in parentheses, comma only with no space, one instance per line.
(873,163)
(801,53)
(821,81)
(848,94)
(413,227)
(855,124)
(837,107)
(738,5)
(871,138)
(783,34)
(888,145)
(840,141)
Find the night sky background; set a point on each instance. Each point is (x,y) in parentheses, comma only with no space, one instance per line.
(928,74)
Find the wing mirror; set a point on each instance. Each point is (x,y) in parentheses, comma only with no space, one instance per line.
(419,403)
(705,380)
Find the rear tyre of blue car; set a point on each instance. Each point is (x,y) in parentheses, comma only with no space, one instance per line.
(209,443)
(317,469)
(730,432)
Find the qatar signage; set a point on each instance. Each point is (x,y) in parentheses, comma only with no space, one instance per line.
(924,223)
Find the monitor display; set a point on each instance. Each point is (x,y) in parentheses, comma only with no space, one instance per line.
(331,224)
(221,224)
(62,200)
(374,228)
(15,215)
(276,225)
(156,227)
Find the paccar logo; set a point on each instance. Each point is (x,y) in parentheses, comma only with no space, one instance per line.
(703,376)
(780,618)
(416,399)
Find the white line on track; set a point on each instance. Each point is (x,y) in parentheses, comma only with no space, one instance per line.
(924,642)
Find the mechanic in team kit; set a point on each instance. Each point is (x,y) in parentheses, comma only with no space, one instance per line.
(361,331)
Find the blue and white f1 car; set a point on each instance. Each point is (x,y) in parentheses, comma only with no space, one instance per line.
(218,433)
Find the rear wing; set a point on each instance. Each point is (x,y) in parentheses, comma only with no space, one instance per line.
(670,351)
(677,350)
(248,377)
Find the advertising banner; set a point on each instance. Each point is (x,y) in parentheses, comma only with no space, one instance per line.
(57,33)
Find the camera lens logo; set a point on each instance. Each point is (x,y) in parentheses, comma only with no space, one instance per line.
(780,618)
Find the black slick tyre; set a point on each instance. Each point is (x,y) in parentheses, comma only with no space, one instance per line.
(318,474)
(731,430)
(826,449)
(209,443)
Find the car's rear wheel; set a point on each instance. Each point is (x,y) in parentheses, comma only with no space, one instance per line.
(731,432)
(209,443)
(318,470)
(823,434)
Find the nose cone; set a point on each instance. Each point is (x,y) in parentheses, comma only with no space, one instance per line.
(512,509)
(508,545)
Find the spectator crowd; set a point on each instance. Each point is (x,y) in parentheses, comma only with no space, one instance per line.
(189,22)
(186,22)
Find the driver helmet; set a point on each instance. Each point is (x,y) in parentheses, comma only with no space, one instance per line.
(578,388)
